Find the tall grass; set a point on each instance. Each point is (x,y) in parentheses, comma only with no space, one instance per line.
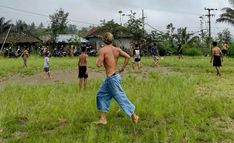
(190,105)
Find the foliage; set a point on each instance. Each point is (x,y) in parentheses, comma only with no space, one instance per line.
(225,35)
(113,27)
(4,25)
(83,31)
(58,22)
(71,29)
(192,52)
(228,14)
(135,27)
(230,51)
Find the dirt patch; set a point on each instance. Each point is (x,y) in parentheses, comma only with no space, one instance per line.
(224,124)
(57,76)
(67,76)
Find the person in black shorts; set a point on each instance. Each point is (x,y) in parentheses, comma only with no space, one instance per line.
(180,51)
(216,58)
(224,48)
(137,57)
(83,70)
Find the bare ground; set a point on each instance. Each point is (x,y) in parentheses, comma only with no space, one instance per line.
(67,76)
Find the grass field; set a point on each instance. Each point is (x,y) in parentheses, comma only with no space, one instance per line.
(179,101)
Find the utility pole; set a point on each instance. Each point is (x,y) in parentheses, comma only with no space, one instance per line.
(143,26)
(5,38)
(209,21)
(143,22)
(201,26)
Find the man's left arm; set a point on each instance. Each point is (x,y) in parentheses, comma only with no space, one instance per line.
(100,58)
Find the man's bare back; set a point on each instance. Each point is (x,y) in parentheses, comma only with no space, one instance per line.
(108,56)
(216,51)
(83,59)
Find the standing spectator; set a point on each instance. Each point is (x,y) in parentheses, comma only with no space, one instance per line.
(180,51)
(224,48)
(47,66)
(155,54)
(137,57)
(25,56)
(83,69)
(216,58)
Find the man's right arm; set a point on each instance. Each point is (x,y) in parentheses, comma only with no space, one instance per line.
(212,55)
(126,59)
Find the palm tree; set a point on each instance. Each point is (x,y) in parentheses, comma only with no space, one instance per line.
(183,37)
(4,25)
(227,15)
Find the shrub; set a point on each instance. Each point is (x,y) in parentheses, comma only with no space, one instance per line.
(192,52)
(230,51)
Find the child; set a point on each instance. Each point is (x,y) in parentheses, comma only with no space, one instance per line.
(83,70)
(47,65)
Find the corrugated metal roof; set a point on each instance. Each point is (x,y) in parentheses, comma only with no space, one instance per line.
(67,37)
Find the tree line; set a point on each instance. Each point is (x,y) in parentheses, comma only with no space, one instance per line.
(194,43)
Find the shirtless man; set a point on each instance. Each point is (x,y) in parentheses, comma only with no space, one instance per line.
(216,57)
(24,56)
(224,48)
(111,86)
(83,70)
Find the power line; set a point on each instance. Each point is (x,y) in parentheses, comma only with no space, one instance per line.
(42,15)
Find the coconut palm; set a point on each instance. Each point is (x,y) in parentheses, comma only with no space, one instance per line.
(228,14)
(4,25)
(183,37)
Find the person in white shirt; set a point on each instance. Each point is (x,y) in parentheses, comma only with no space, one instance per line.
(47,66)
(137,57)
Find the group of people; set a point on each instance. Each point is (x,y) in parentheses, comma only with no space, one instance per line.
(111,86)
(217,56)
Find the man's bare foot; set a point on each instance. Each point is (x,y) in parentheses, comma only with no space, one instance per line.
(135,118)
(101,122)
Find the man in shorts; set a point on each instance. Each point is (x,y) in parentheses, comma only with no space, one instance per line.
(24,56)
(155,54)
(111,86)
(216,58)
(82,65)
(137,57)
(180,51)
(224,48)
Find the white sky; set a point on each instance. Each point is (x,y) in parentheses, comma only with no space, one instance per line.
(159,13)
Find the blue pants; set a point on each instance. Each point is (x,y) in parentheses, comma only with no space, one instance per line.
(111,87)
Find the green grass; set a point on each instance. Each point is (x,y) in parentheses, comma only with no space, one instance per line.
(187,104)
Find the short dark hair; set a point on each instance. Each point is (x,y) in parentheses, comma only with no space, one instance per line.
(214,43)
(83,48)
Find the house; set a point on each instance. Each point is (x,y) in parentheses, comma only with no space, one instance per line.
(95,39)
(19,39)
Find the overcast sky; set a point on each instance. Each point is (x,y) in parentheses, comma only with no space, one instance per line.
(159,13)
